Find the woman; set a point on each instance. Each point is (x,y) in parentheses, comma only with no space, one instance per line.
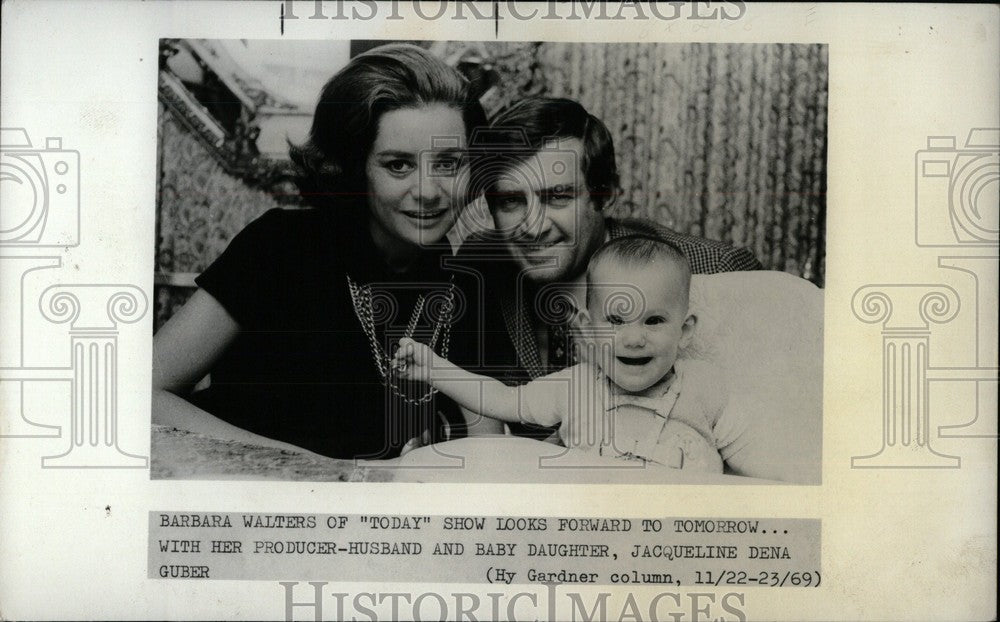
(295,340)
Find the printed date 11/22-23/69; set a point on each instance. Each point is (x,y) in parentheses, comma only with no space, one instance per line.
(770,579)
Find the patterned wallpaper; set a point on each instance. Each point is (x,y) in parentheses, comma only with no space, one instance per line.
(200,208)
(727,141)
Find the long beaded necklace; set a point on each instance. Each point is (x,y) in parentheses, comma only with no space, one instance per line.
(361,298)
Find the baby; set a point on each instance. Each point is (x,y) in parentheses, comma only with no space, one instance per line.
(631,398)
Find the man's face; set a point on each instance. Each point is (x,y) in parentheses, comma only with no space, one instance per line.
(638,320)
(546,213)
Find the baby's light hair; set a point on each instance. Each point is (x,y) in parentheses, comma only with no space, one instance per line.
(640,250)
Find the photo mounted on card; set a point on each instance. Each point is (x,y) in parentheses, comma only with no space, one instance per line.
(543,311)
(489,261)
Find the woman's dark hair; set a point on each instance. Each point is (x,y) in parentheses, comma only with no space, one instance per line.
(526,126)
(386,78)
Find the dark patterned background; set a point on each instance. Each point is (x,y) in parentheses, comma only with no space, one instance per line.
(727,141)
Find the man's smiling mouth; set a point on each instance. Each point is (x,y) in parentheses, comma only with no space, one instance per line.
(634,360)
(538,247)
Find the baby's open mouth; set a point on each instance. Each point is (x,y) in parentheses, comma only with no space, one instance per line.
(634,360)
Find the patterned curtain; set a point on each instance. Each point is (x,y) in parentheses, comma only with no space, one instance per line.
(726,141)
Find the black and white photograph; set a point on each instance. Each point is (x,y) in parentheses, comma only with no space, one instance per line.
(454,261)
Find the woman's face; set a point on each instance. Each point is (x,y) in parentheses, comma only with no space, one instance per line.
(415,185)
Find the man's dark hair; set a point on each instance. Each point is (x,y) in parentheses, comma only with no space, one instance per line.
(639,250)
(521,130)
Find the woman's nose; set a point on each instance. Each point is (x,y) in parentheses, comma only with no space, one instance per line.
(429,190)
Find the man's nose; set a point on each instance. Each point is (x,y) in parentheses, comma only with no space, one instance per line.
(536,223)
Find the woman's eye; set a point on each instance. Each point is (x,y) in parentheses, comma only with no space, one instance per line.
(615,319)
(399,167)
(656,319)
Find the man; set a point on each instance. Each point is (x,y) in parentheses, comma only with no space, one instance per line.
(547,169)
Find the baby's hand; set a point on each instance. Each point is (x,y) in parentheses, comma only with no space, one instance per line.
(413,360)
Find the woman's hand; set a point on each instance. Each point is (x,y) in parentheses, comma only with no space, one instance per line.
(414,360)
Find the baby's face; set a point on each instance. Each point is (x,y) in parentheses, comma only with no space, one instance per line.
(638,320)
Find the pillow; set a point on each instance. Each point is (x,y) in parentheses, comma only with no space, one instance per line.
(765,331)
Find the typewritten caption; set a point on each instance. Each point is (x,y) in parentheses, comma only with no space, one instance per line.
(478,549)
(507,550)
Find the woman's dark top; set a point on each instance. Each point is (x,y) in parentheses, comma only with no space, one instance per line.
(301,369)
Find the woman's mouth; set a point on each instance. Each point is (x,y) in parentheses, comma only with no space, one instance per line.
(634,360)
(425,214)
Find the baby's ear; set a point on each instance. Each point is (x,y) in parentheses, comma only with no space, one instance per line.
(687,330)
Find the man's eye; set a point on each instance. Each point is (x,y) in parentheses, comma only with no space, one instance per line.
(559,199)
(510,203)
(655,319)
(445,166)
(399,167)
